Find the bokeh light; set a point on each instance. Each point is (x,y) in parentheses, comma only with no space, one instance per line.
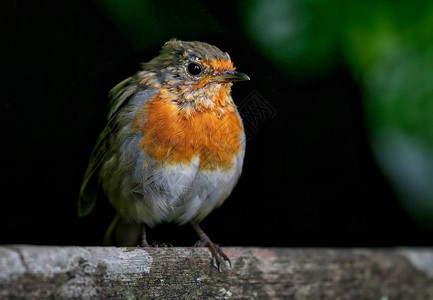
(299,36)
(387,45)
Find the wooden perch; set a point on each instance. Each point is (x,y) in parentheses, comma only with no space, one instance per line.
(41,272)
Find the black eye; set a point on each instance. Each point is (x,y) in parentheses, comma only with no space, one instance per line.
(194,69)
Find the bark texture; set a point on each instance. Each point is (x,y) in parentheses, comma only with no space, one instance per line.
(35,272)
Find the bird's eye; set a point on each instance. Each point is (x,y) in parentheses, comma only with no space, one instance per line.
(194,69)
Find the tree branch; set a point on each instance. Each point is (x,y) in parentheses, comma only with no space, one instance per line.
(186,273)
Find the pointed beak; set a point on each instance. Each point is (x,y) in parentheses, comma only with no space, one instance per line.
(231,76)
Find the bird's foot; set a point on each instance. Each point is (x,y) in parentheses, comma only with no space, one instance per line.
(143,237)
(162,245)
(143,244)
(218,255)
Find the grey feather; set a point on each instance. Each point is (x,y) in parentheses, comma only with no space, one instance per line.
(89,190)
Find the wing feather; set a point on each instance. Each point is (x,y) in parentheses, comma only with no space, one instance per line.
(120,96)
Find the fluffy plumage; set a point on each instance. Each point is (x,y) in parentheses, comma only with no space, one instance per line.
(174,143)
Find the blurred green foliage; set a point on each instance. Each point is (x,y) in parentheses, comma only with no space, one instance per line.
(301,37)
(388,46)
(149,24)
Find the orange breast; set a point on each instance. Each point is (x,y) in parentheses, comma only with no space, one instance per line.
(171,136)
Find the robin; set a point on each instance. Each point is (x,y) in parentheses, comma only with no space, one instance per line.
(173,146)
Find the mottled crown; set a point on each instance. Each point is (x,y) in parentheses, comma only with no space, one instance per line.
(174,51)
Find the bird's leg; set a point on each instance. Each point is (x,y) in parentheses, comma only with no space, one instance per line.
(144,242)
(217,253)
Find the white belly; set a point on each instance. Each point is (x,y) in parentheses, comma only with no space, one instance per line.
(145,193)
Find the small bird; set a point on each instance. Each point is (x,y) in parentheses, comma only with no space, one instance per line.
(173,146)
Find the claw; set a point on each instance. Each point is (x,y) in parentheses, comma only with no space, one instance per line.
(218,255)
(215,264)
(227,260)
(161,245)
(144,242)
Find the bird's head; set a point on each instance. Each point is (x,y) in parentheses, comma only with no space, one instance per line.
(194,72)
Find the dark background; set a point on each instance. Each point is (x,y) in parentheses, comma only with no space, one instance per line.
(309,178)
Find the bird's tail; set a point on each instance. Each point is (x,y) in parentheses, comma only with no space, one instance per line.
(123,234)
